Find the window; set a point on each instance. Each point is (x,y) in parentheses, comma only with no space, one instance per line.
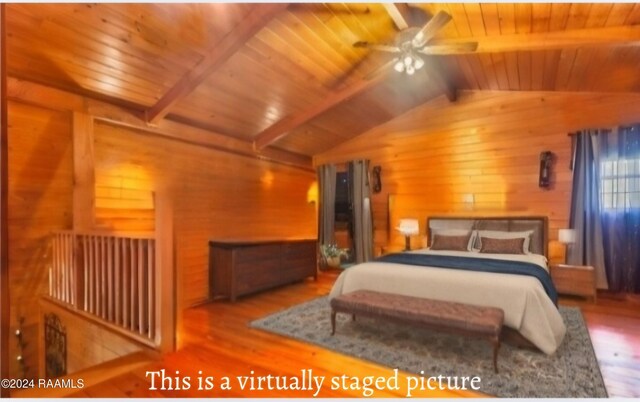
(343,209)
(620,181)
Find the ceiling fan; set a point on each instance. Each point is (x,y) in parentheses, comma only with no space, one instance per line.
(412,41)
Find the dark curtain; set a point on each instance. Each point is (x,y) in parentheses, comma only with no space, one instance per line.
(585,205)
(621,210)
(327,204)
(360,195)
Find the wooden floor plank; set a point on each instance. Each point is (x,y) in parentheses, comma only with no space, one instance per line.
(218,342)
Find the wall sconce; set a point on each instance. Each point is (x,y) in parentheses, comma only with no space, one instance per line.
(567,237)
(546,158)
(408,227)
(376,184)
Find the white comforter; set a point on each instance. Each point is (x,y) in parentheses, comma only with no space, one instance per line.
(526,306)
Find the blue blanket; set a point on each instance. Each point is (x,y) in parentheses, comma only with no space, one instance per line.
(476,264)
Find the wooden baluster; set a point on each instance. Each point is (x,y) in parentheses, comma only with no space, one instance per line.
(126,276)
(94,269)
(132,288)
(86,283)
(97,276)
(117,266)
(151,287)
(78,273)
(103,277)
(54,261)
(89,285)
(68,268)
(141,288)
(56,265)
(109,247)
(61,266)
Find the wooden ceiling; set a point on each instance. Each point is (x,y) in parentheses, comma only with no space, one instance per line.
(288,76)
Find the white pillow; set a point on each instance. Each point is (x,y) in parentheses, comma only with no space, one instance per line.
(455,232)
(498,234)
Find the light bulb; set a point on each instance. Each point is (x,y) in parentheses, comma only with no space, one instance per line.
(410,70)
(418,63)
(408,60)
(399,67)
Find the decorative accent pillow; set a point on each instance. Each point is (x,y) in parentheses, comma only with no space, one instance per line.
(470,235)
(497,234)
(502,246)
(453,243)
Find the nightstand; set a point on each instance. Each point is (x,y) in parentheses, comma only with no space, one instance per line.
(578,280)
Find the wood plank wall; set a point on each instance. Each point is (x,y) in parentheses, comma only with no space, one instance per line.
(215,195)
(486,144)
(88,344)
(40,201)
(4,203)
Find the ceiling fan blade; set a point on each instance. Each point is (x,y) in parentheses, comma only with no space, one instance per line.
(429,29)
(382,48)
(453,48)
(395,12)
(378,71)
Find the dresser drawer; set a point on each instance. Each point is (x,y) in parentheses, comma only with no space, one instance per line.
(245,267)
(574,280)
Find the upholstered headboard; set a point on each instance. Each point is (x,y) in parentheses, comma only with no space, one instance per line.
(539,224)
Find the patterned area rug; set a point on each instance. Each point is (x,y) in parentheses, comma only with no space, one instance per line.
(572,372)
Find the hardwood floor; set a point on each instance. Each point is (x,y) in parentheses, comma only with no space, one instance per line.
(219,343)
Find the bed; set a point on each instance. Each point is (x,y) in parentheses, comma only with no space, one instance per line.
(526,301)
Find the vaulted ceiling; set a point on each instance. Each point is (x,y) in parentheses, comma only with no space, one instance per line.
(288,75)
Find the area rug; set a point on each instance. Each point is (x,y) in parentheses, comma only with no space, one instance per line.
(572,372)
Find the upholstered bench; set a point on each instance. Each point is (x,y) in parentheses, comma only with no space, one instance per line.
(457,318)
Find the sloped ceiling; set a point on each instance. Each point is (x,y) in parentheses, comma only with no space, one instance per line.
(239,71)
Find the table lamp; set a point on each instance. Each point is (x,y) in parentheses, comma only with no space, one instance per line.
(567,237)
(408,227)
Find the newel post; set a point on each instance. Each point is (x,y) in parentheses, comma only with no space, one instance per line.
(165,277)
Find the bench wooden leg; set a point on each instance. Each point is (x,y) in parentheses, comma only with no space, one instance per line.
(496,346)
(333,321)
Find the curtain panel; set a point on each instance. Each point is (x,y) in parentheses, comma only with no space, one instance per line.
(360,194)
(585,205)
(327,204)
(620,152)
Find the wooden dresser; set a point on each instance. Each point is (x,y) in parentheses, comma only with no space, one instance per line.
(578,280)
(240,267)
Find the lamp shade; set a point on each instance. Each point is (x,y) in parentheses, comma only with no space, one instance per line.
(567,236)
(409,226)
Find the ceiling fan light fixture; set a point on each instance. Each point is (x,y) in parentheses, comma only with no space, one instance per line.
(418,63)
(410,70)
(399,66)
(408,60)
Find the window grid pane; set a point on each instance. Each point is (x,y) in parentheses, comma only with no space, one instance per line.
(620,184)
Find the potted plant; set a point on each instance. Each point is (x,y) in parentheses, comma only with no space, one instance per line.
(332,254)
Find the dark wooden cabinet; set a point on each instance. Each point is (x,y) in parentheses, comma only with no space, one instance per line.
(239,267)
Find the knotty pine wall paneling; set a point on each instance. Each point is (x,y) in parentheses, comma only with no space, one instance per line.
(40,202)
(88,344)
(487,145)
(215,195)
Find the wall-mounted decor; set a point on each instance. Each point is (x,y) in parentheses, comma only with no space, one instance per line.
(546,158)
(376,184)
(55,346)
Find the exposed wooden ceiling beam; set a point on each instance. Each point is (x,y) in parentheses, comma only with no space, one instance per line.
(399,13)
(43,96)
(610,36)
(288,123)
(257,18)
